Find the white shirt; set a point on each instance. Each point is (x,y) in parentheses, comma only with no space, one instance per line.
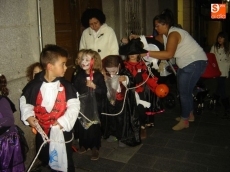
(222,59)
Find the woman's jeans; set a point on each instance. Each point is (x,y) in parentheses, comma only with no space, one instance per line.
(187,78)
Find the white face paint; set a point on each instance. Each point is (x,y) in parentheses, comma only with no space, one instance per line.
(85,62)
(112,70)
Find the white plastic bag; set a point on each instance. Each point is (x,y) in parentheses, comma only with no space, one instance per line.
(57,150)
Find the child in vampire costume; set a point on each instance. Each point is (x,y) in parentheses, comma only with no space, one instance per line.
(124,126)
(50,100)
(89,83)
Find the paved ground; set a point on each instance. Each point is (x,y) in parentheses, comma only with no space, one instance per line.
(204,146)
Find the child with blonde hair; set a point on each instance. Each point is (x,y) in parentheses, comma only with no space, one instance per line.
(89,83)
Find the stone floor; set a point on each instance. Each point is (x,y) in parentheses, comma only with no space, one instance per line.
(204,146)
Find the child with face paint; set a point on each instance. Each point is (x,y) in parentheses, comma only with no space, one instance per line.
(90,80)
(78,61)
(123,124)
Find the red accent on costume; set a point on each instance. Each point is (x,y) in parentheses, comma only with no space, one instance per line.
(134,68)
(121,95)
(46,119)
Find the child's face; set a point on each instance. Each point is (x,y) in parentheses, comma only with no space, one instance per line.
(112,70)
(78,59)
(59,67)
(133,57)
(220,40)
(85,62)
(36,70)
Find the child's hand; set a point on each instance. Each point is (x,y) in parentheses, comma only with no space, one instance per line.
(122,78)
(90,84)
(133,36)
(56,123)
(32,121)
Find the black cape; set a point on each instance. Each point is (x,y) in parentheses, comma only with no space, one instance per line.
(125,126)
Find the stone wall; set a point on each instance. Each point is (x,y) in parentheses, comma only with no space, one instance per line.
(19,47)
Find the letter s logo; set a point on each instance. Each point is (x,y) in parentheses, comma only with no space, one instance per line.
(215,8)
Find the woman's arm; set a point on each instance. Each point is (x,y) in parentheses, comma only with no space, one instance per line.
(171,46)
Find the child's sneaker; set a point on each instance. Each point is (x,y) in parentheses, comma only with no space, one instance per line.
(120,144)
(95,154)
(149,125)
(82,150)
(111,139)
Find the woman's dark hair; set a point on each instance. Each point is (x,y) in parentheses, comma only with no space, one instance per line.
(92,13)
(226,43)
(166,17)
(3,83)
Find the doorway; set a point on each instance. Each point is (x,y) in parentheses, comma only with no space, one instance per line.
(68,28)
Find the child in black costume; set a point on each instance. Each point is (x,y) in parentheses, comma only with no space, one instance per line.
(124,126)
(90,82)
(50,100)
(146,99)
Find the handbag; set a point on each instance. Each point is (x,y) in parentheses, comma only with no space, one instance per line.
(212,70)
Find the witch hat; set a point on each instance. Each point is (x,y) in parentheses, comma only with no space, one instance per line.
(135,46)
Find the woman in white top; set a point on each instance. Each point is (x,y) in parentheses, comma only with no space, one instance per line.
(98,36)
(190,58)
(222,53)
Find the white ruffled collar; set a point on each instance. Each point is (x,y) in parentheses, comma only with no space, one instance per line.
(49,91)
